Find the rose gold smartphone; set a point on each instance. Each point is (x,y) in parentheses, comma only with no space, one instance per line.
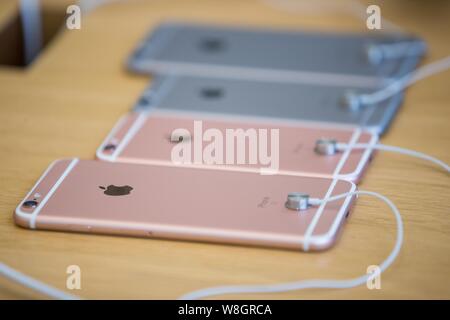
(152,138)
(184,203)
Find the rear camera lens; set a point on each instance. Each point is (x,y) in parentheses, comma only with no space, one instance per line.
(212,93)
(212,45)
(144,101)
(109,147)
(178,139)
(30,204)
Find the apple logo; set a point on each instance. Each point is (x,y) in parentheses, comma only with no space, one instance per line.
(113,190)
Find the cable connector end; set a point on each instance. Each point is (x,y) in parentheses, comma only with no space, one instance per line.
(326,146)
(297,201)
(352,101)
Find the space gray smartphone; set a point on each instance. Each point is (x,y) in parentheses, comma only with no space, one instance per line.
(340,59)
(269,101)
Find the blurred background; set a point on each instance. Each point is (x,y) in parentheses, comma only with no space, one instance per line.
(27,27)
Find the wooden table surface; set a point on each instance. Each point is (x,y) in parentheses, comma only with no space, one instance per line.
(67,101)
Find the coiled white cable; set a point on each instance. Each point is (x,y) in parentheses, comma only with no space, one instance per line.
(314,283)
(412,153)
(34,284)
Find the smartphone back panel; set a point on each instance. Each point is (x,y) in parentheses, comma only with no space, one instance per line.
(312,57)
(266,100)
(179,203)
(147,139)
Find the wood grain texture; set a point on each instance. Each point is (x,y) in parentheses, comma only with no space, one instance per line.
(68,100)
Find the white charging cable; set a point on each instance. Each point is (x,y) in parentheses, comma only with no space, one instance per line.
(314,283)
(328,147)
(331,146)
(356,101)
(348,283)
(34,284)
(376,53)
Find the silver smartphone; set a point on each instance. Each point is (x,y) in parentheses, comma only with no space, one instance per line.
(339,59)
(272,101)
